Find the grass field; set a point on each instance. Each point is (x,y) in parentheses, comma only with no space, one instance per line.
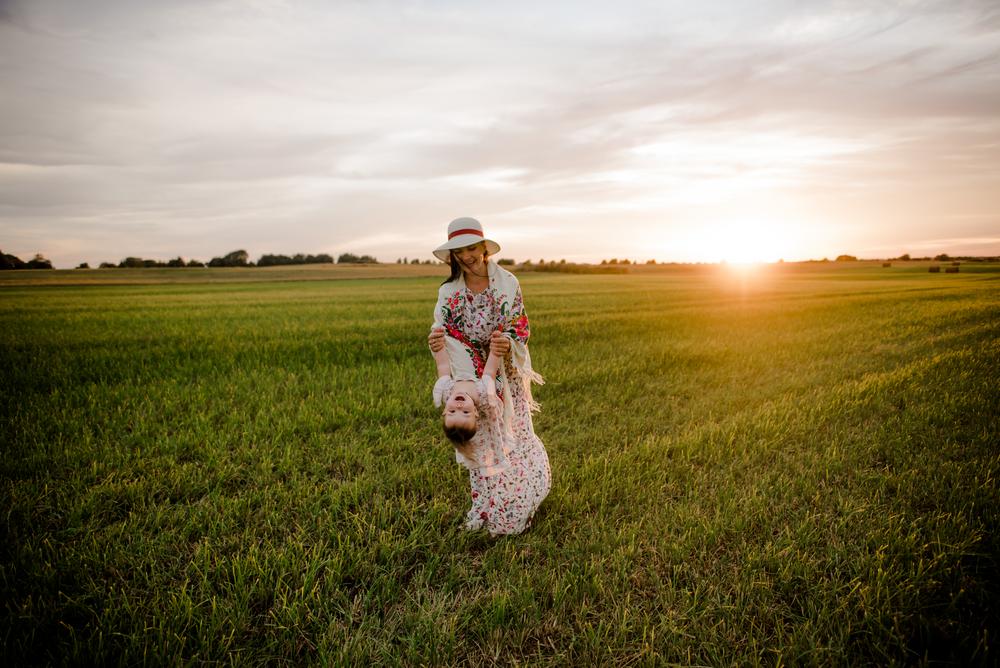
(791,466)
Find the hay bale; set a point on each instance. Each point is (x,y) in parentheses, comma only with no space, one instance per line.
(934,269)
(951,270)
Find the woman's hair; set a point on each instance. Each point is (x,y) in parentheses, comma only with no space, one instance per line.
(456,268)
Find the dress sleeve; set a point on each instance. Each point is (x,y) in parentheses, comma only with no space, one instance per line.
(494,447)
(492,406)
(439,307)
(442,390)
(517,329)
(516,326)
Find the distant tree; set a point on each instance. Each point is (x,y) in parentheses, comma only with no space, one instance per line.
(195,263)
(298,258)
(604,261)
(237,258)
(626,261)
(273,260)
(131,263)
(107,265)
(650,261)
(351,258)
(428,261)
(562,261)
(846,258)
(151,263)
(416,260)
(905,257)
(38,262)
(505,262)
(11,262)
(943,257)
(83,265)
(613,260)
(575,268)
(176,262)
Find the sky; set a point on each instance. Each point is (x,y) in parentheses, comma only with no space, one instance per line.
(675,131)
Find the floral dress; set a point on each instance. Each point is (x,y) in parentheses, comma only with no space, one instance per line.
(503,502)
(471,318)
(508,478)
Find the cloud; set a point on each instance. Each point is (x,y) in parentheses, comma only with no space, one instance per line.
(300,123)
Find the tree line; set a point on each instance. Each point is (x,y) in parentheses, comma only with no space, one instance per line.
(237,258)
(14,262)
(240,258)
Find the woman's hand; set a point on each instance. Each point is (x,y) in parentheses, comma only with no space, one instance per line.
(436,339)
(499,344)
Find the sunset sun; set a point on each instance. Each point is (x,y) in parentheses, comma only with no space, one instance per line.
(745,241)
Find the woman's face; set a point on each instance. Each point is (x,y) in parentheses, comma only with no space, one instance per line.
(472,258)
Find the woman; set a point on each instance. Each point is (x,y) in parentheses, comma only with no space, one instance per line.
(476,300)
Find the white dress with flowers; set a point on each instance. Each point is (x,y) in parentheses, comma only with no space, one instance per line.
(503,502)
(508,478)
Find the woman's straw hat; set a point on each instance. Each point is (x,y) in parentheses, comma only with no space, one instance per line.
(464,232)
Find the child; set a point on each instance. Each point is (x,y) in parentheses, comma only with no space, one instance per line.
(508,479)
(470,404)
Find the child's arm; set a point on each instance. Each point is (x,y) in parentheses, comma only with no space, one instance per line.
(443,365)
(441,359)
(440,352)
(499,346)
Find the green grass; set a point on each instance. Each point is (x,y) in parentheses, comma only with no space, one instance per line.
(797,466)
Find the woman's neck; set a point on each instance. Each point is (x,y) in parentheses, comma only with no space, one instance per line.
(475,281)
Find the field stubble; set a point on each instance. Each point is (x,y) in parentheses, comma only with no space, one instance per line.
(796,466)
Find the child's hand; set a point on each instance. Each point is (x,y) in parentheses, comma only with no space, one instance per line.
(499,344)
(436,339)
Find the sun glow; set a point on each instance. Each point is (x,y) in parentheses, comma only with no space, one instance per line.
(745,242)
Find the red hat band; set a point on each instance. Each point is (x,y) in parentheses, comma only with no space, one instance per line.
(475,232)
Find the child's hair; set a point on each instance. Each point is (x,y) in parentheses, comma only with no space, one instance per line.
(461,438)
(459,434)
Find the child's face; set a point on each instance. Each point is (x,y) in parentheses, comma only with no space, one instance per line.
(460,411)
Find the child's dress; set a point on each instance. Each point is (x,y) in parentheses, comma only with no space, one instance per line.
(509,477)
